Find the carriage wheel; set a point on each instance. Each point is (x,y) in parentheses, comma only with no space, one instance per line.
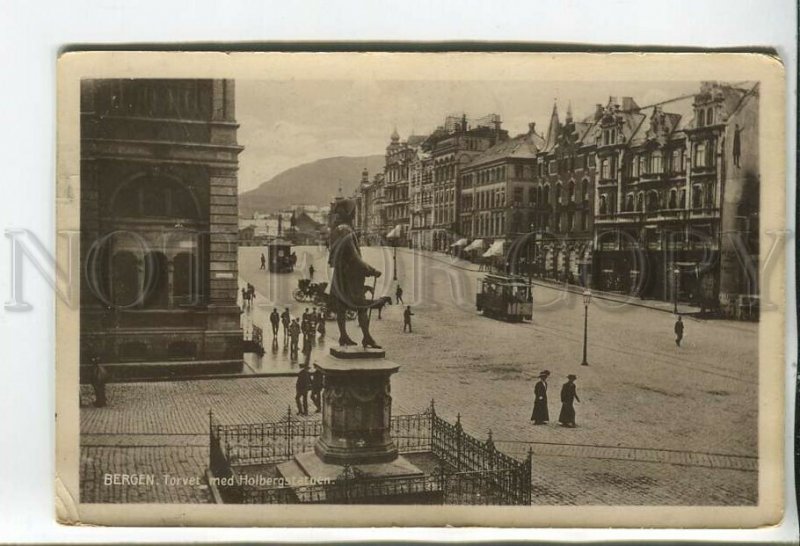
(299,295)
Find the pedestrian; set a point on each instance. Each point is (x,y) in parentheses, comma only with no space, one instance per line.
(302,386)
(275,320)
(251,290)
(305,328)
(540,414)
(568,395)
(312,320)
(407,314)
(294,335)
(286,318)
(263,261)
(316,388)
(678,331)
(321,324)
(398,294)
(305,316)
(311,272)
(244,297)
(99,378)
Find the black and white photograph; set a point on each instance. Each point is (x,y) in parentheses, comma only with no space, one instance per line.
(512,282)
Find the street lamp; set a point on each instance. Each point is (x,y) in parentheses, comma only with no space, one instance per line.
(587,299)
(675,274)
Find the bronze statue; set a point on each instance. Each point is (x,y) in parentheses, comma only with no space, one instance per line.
(347,288)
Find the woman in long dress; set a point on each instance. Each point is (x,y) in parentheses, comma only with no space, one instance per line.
(568,395)
(540,413)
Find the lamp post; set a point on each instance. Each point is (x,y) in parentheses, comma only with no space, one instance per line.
(394,257)
(675,274)
(587,299)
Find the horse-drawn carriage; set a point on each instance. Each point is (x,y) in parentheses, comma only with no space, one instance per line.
(280,257)
(508,298)
(314,292)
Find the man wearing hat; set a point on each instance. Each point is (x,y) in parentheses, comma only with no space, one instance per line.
(568,395)
(540,414)
(302,386)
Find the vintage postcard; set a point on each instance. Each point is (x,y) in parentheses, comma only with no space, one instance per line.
(421,289)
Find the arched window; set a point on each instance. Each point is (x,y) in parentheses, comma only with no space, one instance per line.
(657,164)
(673,199)
(640,202)
(652,201)
(603,204)
(558,193)
(710,116)
(701,118)
(155,198)
(585,190)
(629,203)
(571,191)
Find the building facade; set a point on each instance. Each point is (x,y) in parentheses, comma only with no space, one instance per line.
(497,192)
(452,147)
(159,226)
(659,201)
(677,209)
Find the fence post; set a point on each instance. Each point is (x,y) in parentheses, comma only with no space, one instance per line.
(289,431)
(528,476)
(459,441)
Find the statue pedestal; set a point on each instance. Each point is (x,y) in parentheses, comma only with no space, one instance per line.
(356,421)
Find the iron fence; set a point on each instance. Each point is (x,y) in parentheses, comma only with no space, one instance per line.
(471,471)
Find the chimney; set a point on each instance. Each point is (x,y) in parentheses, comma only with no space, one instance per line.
(598,111)
(532,128)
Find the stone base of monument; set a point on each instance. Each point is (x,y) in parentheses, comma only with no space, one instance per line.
(356,445)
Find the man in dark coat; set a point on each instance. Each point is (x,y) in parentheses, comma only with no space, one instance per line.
(568,396)
(302,386)
(286,318)
(407,314)
(347,288)
(294,334)
(678,331)
(263,261)
(275,320)
(311,272)
(321,324)
(540,413)
(99,378)
(398,294)
(316,388)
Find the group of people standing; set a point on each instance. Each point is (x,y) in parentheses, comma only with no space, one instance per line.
(248,295)
(569,396)
(308,325)
(308,382)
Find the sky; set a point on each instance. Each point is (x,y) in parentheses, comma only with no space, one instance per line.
(290,122)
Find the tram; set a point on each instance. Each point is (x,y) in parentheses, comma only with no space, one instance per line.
(508,298)
(280,257)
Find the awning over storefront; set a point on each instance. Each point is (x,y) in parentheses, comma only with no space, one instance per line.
(495,250)
(395,233)
(460,242)
(477,244)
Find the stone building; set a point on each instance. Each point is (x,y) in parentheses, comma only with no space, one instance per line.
(677,208)
(562,202)
(452,146)
(399,157)
(159,226)
(421,201)
(497,191)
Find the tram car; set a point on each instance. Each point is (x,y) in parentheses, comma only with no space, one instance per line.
(508,298)
(280,257)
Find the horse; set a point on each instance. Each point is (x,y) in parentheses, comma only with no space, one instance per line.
(380,303)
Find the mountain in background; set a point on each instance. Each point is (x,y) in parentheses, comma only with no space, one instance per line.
(315,183)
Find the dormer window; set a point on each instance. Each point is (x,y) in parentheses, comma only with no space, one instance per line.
(701,118)
(710,116)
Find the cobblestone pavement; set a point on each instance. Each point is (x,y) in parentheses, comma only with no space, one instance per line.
(657,424)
